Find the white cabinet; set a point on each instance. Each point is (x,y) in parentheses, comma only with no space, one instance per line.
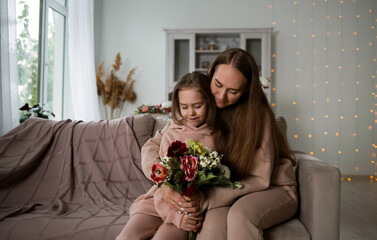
(190,50)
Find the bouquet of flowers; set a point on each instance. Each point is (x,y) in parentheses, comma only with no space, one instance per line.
(164,108)
(189,169)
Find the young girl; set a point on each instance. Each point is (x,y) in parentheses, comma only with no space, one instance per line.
(193,113)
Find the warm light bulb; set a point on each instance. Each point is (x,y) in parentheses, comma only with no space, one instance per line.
(323,149)
(339,152)
(356,116)
(310,136)
(356,150)
(312,119)
(354,33)
(341,117)
(336,134)
(325,133)
(312,153)
(295,136)
(294,103)
(326,116)
(297,119)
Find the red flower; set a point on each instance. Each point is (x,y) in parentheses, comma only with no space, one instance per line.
(177,149)
(159,173)
(190,189)
(189,165)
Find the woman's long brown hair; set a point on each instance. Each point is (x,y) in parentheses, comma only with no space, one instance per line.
(239,128)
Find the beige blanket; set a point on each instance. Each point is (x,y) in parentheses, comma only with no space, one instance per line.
(68,179)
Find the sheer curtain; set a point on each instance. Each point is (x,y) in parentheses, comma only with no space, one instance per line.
(81,100)
(8,68)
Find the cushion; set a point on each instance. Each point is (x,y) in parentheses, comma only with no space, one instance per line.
(161,121)
(290,230)
(143,126)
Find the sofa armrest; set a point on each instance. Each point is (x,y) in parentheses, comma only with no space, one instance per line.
(319,191)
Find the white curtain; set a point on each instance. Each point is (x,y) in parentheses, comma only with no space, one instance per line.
(8,68)
(81,100)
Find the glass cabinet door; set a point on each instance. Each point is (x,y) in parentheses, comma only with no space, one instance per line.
(258,44)
(180,58)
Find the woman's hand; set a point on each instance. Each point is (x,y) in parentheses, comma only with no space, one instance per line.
(191,223)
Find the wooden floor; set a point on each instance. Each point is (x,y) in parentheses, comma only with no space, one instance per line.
(358,212)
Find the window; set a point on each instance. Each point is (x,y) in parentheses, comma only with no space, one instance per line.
(41,48)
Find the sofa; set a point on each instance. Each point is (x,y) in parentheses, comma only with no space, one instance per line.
(76,180)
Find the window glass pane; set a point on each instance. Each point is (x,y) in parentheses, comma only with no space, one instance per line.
(55,63)
(27,50)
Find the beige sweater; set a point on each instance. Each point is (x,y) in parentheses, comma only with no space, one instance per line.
(263,174)
(152,202)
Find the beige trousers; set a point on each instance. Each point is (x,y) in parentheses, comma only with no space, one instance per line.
(143,226)
(249,215)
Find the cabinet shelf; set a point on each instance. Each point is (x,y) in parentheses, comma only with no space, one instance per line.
(209,51)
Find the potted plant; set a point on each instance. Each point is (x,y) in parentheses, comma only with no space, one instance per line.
(35,111)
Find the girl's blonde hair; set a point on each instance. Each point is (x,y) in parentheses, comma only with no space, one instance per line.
(201,83)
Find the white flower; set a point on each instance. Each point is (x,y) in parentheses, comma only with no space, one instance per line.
(166,104)
(264,81)
(213,154)
(237,185)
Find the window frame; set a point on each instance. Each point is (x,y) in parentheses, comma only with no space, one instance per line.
(43,49)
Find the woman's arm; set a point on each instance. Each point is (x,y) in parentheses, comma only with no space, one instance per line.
(258,179)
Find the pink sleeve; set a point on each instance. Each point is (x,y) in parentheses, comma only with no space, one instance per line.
(165,212)
(150,152)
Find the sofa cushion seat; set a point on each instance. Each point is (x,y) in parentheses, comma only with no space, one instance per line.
(290,230)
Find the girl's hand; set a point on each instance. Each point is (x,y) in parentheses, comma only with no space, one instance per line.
(191,223)
(192,205)
(173,198)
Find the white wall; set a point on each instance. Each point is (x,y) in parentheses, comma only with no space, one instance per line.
(304,77)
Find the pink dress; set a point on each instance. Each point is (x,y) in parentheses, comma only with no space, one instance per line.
(152,202)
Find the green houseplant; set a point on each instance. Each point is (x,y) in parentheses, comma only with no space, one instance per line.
(35,111)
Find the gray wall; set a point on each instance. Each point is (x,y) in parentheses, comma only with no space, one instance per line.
(318,71)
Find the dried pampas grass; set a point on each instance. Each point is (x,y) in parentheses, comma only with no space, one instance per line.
(114,92)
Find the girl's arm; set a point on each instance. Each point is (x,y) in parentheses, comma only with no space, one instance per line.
(150,152)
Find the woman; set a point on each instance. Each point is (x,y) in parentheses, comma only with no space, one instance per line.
(254,149)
